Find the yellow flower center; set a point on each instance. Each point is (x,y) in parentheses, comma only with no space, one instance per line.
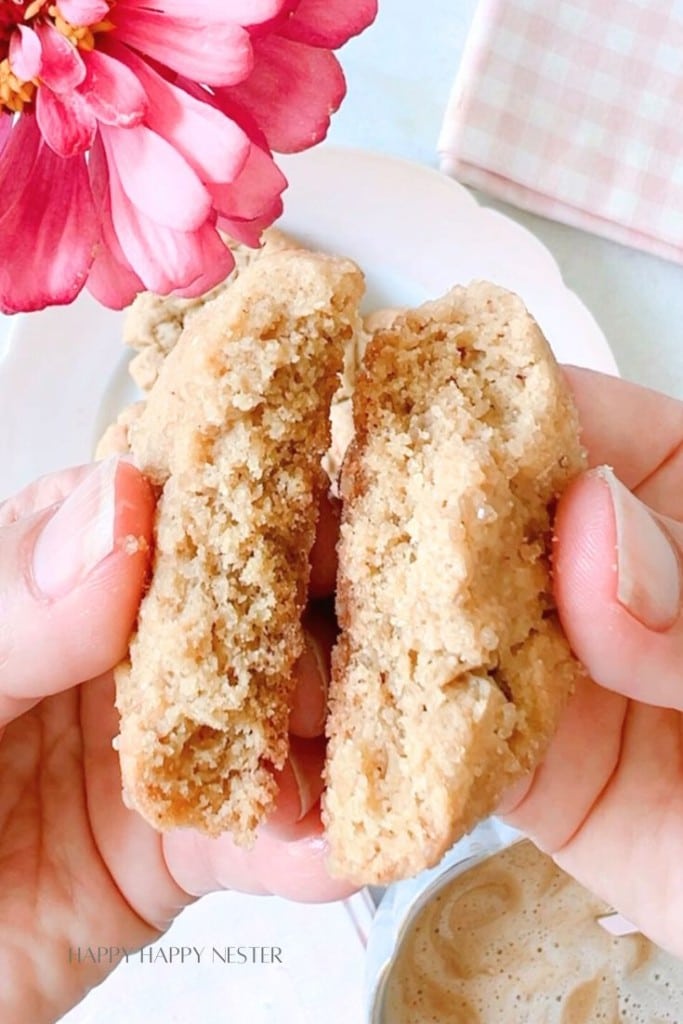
(15,93)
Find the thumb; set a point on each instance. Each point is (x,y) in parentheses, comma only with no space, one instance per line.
(618,589)
(71,578)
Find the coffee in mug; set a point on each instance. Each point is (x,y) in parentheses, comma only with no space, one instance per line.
(515,939)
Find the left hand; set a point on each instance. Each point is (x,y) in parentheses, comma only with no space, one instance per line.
(77,867)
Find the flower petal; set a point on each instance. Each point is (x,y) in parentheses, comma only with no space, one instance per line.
(249,231)
(66,123)
(165,260)
(242,12)
(20,149)
(112,281)
(254,192)
(153,252)
(48,229)
(328,23)
(216,260)
(216,53)
(212,144)
(83,12)
(5,129)
(62,68)
(25,53)
(291,92)
(156,178)
(112,91)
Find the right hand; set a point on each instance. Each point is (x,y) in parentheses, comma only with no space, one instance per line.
(607,802)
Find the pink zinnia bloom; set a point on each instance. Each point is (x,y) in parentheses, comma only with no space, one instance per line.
(132,130)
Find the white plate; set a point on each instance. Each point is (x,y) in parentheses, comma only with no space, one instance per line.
(414,232)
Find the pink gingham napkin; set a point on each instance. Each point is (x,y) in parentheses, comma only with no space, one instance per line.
(574,109)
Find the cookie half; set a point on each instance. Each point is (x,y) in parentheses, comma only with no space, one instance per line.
(232,434)
(451,669)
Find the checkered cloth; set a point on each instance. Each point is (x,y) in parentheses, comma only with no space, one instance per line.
(574,109)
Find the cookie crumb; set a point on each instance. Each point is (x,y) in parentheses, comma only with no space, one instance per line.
(131,545)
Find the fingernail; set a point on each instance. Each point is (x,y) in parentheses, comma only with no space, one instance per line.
(648,569)
(307,793)
(314,652)
(79,535)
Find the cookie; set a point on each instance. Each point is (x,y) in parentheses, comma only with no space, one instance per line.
(153,323)
(451,669)
(232,435)
(116,438)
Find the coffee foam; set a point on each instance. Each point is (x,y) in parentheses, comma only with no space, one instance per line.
(515,939)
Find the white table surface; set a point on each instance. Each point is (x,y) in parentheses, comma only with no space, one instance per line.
(400,73)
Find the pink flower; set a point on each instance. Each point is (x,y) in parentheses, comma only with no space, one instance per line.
(132,130)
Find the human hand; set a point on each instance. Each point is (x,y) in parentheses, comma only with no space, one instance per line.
(77,868)
(607,802)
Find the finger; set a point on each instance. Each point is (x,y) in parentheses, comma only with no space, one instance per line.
(635,827)
(130,849)
(550,804)
(294,869)
(312,671)
(324,551)
(300,787)
(70,584)
(618,589)
(41,493)
(615,802)
(612,413)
